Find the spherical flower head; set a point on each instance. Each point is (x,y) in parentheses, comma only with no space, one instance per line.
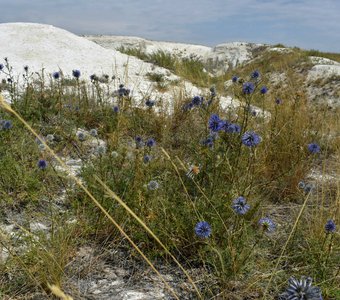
(278,101)
(226,125)
(248,88)
(26,68)
(101,149)
(150,142)
(50,138)
(42,164)
(1,67)
(267,224)
(138,139)
(203,229)
(301,290)
(115,109)
(264,90)
(301,185)
(94,77)
(209,141)
(215,123)
(153,185)
(94,132)
(76,73)
(255,74)
(56,75)
(122,91)
(233,128)
(234,79)
(114,154)
(309,187)
(240,206)
(187,106)
(330,226)
(197,101)
(42,147)
(7,124)
(147,158)
(313,148)
(250,139)
(149,103)
(81,136)
(212,91)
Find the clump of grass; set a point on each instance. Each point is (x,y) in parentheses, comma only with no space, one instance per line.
(329,55)
(191,69)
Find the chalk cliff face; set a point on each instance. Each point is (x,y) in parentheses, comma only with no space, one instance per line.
(217,59)
(322,80)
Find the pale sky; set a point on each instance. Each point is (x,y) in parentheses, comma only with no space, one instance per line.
(308,24)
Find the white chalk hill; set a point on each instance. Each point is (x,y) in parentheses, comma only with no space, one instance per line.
(46,47)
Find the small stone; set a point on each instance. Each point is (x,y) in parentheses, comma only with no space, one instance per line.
(38,227)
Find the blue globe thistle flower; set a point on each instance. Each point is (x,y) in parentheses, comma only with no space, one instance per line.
(139,142)
(197,101)
(188,106)
(94,132)
(42,164)
(215,123)
(81,136)
(94,77)
(1,67)
(248,88)
(267,224)
(301,185)
(26,68)
(138,139)
(9,80)
(147,158)
(115,109)
(309,187)
(209,142)
(264,90)
(153,185)
(203,229)
(122,91)
(255,74)
(233,128)
(301,290)
(234,79)
(101,149)
(253,113)
(150,142)
(7,124)
(213,91)
(250,139)
(41,147)
(240,206)
(56,75)
(226,125)
(149,103)
(278,101)
(76,73)
(330,226)
(50,138)
(313,148)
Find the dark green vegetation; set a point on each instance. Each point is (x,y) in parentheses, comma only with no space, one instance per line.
(189,175)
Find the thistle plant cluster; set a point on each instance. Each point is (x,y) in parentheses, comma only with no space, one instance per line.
(221,214)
